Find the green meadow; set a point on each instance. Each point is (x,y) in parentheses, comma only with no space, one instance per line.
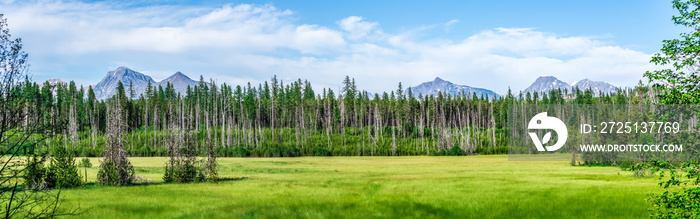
(375,187)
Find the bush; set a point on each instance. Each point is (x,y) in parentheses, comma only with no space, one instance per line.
(437,153)
(223,151)
(184,172)
(272,152)
(35,172)
(240,151)
(681,198)
(146,151)
(109,175)
(289,151)
(456,151)
(322,151)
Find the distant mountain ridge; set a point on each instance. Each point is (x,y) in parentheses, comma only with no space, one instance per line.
(179,81)
(439,85)
(595,86)
(544,84)
(108,86)
(54,81)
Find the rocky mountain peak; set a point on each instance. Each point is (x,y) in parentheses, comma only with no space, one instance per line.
(544,84)
(107,87)
(441,86)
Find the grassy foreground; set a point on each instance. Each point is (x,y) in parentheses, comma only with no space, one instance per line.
(342,187)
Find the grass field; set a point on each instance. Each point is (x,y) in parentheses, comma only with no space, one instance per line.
(343,187)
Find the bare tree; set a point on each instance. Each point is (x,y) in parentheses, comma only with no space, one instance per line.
(115,168)
(15,137)
(73,123)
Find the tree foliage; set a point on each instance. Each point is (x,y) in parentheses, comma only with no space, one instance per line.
(681,85)
(681,196)
(681,81)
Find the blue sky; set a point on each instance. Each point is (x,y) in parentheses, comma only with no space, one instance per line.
(488,44)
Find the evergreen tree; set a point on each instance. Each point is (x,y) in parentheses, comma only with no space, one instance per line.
(62,172)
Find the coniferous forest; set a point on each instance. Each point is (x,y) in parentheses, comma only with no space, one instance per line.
(278,119)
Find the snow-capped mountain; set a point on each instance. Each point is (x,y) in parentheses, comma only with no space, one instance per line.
(52,84)
(108,86)
(446,87)
(544,84)
(54,81)
(595,86)
(179,81)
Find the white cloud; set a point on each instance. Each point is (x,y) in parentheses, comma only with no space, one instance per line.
(91,28)
(357,28)
(449,24)
(240,43)
(314,39)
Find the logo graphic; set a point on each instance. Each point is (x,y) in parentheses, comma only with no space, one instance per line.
(541,122)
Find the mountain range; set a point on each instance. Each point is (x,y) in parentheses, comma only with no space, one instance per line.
(446,87)
(108,86)
(544,84)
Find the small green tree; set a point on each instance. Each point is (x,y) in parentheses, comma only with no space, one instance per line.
(62,172)
(85,163)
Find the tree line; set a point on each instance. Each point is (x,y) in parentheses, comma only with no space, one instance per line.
(278,119)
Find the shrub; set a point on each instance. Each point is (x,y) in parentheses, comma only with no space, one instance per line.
(35,172)
(272,152)
(184,172)
(223,151)
(240,151)
(146,151)
(456,151)
(289,151)
(322,151)
(110,175)
(681,198)
(437,153)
